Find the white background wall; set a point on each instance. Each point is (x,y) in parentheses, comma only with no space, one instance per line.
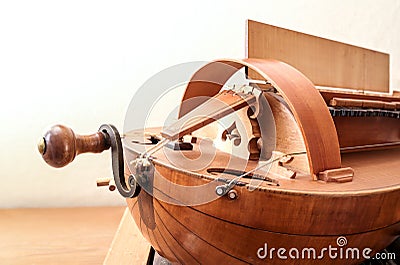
(79,63)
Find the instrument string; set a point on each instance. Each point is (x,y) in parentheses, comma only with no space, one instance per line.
(160,144)
(231,183)
(154,148)
(193,120)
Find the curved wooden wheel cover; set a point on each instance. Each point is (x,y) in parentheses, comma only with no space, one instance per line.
(304,100)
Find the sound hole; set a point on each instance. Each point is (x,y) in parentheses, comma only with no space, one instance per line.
(238,173)
(232,133)
(228,171)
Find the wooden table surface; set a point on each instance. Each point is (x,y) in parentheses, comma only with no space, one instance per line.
(57,236)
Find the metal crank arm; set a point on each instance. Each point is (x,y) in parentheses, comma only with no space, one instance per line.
(117,160)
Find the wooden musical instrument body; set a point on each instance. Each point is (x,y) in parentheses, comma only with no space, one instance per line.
(301,175)
(297,213)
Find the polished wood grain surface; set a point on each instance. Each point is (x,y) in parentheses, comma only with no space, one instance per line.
(326,62)
(60,145)
(236,244)
(57,236)
(296,213)
(302,98)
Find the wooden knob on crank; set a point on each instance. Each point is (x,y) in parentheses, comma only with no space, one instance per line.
(60,145)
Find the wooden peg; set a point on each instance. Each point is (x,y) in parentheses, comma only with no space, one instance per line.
(101,182)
